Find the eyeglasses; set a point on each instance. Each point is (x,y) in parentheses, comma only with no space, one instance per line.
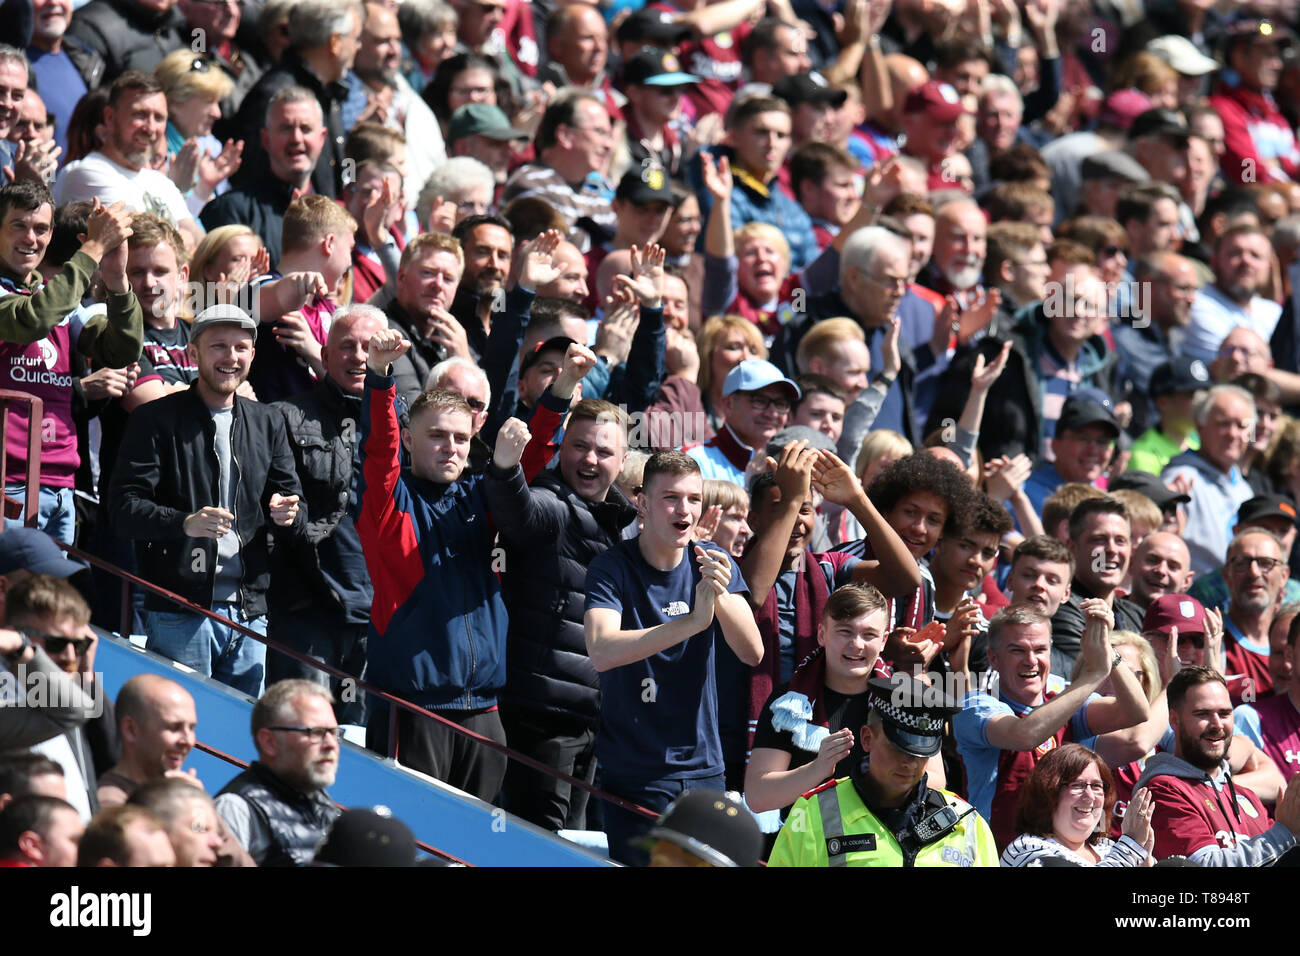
(889,282)
(476,405)
(317,735)
(201,64)
(1080,787)
(472,207)
(762,403)
(1243,562)
(1112,250)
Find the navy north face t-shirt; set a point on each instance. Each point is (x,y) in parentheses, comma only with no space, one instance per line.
(659,716)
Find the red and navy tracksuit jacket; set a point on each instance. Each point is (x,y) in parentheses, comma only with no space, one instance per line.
(438,624)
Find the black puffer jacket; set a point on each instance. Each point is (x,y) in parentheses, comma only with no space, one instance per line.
(168,469)
(551,536)
(127,36)
(295,822)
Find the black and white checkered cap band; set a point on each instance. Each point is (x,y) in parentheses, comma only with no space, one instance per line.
(919,722)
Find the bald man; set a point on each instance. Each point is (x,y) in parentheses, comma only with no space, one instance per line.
(320,596)
(1161,565)
(572,282)
(156,720)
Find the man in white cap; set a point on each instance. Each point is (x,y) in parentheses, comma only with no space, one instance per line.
(756,404)
(202,476)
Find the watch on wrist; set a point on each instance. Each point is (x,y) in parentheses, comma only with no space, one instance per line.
(884,379)
(1116,660)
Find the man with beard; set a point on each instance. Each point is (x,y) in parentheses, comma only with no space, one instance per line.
(278,808)
(1199,812)
(134,120)
(394,102)
(62,67)
(1101,539)
(1225,417)
(1255,571)
(1161,565)
(202,476)
(957,260)
(488,247)
(1242,264)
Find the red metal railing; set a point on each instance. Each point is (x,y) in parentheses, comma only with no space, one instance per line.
(35,413)
(130,580)
(243,765)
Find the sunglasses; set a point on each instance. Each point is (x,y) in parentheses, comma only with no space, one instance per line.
(55,645)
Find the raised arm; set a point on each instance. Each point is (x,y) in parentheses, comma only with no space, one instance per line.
(645,363)
(764,556)
(1009,732)
(894,571)
(770,783)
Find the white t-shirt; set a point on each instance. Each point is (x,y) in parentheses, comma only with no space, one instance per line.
(143,190)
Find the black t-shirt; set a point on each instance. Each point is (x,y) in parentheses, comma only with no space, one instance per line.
(841,711)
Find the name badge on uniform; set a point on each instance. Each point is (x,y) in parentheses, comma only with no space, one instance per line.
(858,843)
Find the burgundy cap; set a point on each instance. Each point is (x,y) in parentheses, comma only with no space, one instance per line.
(1122,107)
(1175,610)
(940,101)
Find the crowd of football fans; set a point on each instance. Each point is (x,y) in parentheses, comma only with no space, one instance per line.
(877,410)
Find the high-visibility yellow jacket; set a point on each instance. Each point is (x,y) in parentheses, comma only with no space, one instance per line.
(831,826)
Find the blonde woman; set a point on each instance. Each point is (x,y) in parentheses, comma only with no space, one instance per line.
(227,259)
(200,164)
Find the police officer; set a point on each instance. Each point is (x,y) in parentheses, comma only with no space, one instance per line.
(883,814)
(703,828)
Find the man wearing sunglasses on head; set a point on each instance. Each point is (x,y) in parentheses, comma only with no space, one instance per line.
(278,808)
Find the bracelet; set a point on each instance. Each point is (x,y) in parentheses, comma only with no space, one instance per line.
(884,379)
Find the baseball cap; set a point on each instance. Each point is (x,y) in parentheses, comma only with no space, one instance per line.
(644,185)
(1122,107)
(556,343)
(939,101)
(1175,610)
(1182,55)
(752,375)
(1081,413)
(912,714)
(711,826)
(808,88)
(657,27)
(1263,507)
(482,119)
(1114,164)
(1160,122)
(367,838)
(1179,374)
(222,314)
(656,68)
(815,439)
(29,549)
(1250,28)
(1145,483)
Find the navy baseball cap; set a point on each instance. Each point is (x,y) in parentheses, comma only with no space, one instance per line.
(1179,374)
(1080,413)
(1145,483)
(808,88)
(657,68)
(556,343)
(753,375)
(27,549)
